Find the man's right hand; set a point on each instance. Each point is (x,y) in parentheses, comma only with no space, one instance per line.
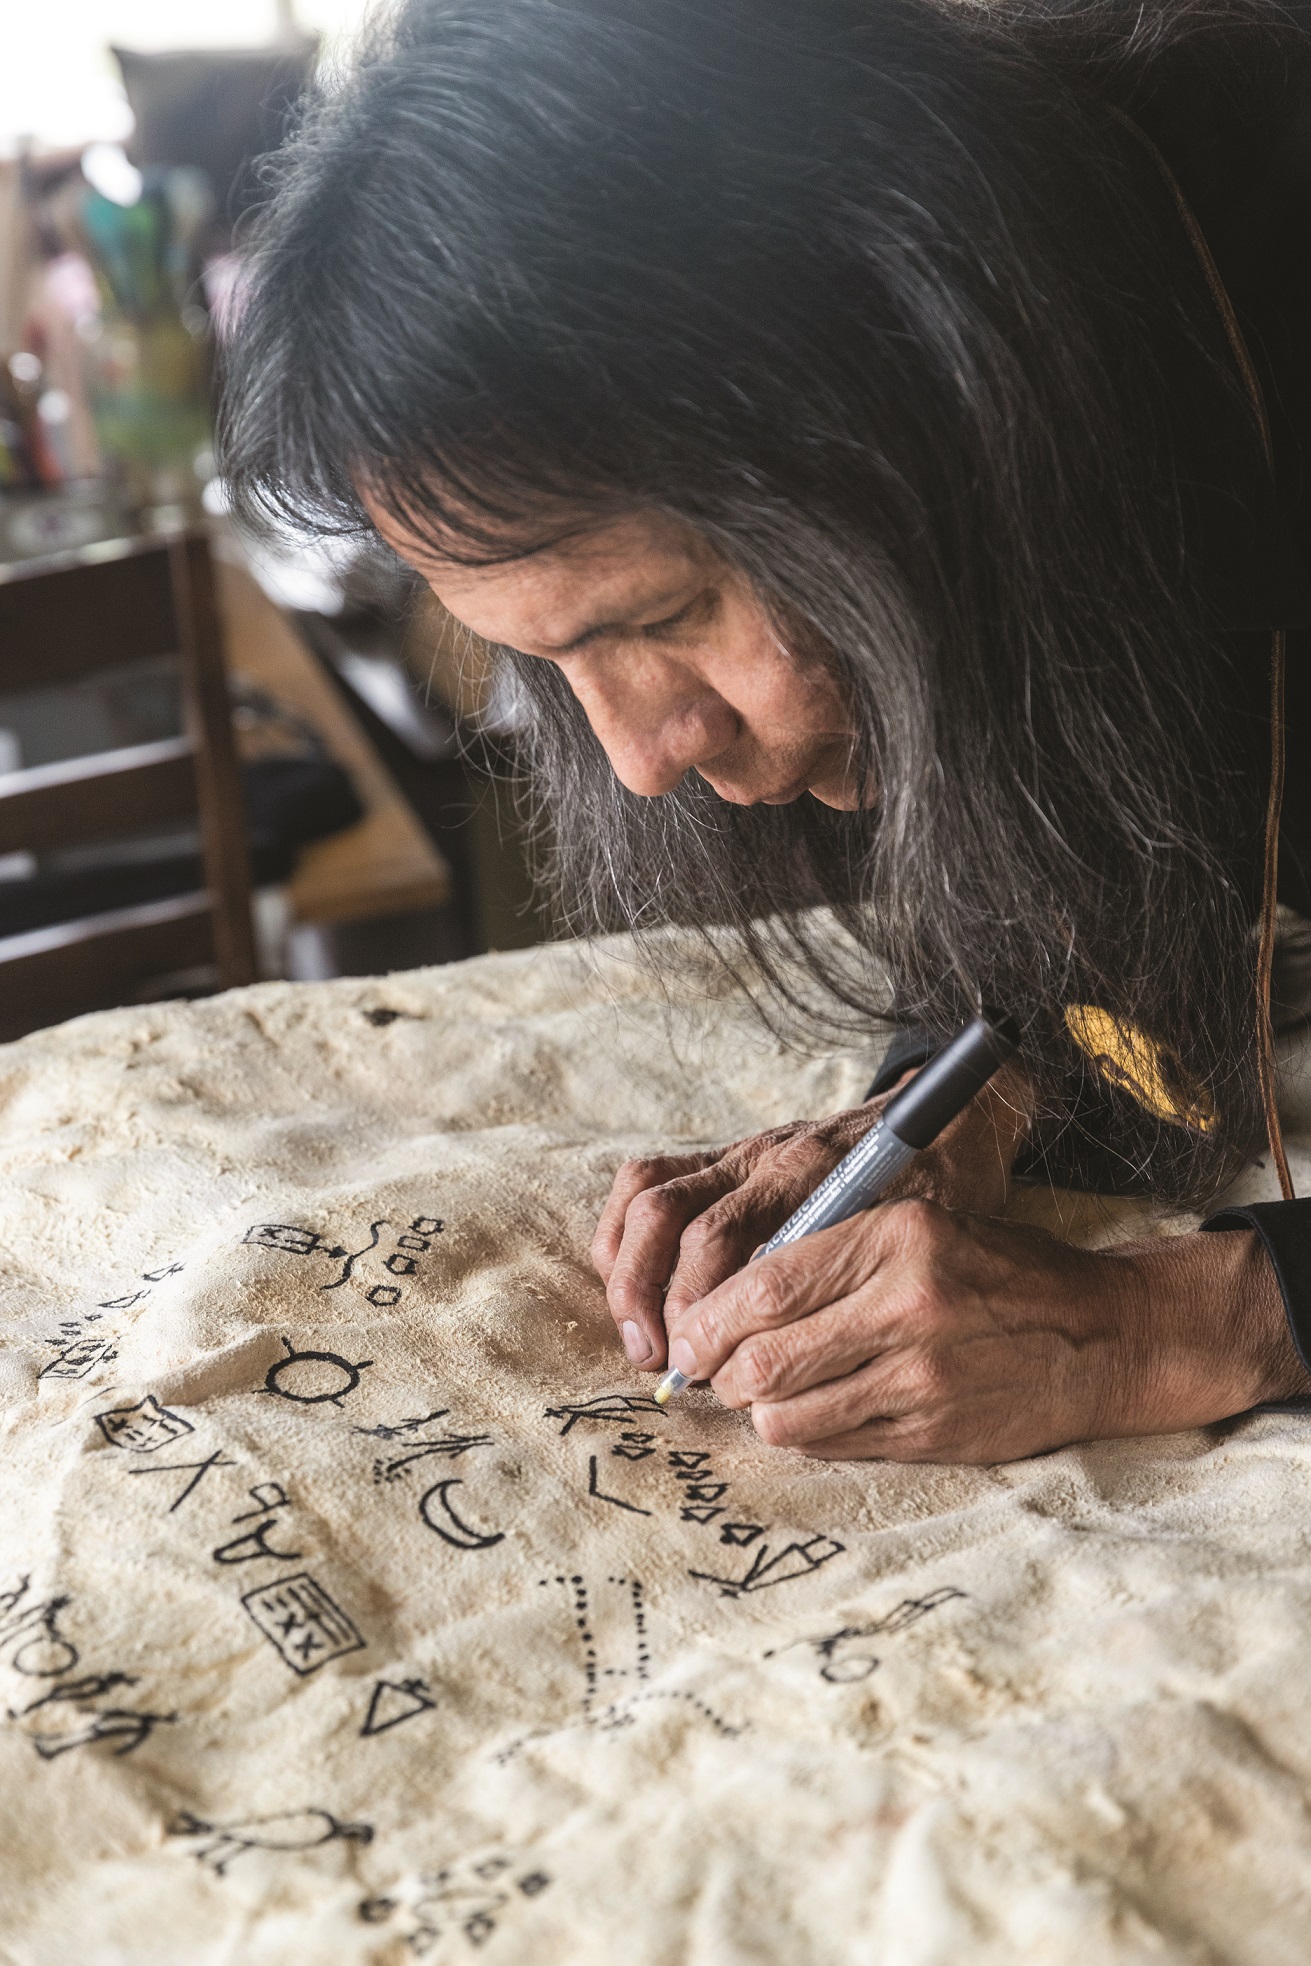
(676,1226)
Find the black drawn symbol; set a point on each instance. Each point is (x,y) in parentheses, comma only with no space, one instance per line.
(606,1407)
(110,1724)
(423,1225)
(450,1528)
(77,1360)
(157,1276)
(684,1694)
(400,1266)
(384,1295)
(42,1651)
(471,1903)
(124,1303)
(265,1495)
(611,1625)
(740,1534)
(143,1428)
(11,1600)
(293,1830)
(252,1544)
(376,1911)
(79,1691)
(701,1515)
(795,1560)
(216,1460)
(843,1668)
(450,1445)
(355,1255)
(403,1427)
(301,1622)
(420,1244)
(706,1491)
(393,1702)
(295,1241)
(633,1447)
(686,1461)
(615,1500)
(381,1017)
(314,1377)
(912,1609)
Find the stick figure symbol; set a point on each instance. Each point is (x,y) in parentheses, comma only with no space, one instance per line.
(314,1377)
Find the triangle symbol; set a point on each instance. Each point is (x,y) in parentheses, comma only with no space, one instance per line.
(392,1703)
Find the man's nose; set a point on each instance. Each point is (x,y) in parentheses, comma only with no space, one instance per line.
(653,745)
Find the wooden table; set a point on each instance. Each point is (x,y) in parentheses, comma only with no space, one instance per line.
(386,863)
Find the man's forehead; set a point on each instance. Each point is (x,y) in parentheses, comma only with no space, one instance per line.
(557,592)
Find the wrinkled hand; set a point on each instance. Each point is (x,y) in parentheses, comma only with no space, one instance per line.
(913,1333)
(676,1227)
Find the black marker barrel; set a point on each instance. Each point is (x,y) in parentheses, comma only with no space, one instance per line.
(946,1085)
(912,1121)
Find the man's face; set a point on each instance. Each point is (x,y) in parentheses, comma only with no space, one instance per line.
(671,655)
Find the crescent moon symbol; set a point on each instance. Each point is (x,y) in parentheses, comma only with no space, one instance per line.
(460,1536)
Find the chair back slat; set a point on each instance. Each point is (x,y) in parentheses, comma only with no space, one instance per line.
(64,619)
(52,973)
(60,623)
(81,799)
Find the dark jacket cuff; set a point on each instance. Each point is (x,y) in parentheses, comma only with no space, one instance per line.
(908,1050)
(1285,1229)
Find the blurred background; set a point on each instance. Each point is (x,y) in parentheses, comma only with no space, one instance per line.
(218,757)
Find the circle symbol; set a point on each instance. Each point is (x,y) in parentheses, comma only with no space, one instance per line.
(314,1378)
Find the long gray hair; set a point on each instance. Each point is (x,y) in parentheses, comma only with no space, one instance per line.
(881,301)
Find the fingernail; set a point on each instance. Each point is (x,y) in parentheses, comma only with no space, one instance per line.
(683,1358)
(636,1342)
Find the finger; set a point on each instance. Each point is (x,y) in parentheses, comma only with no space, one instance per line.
(725,1236)
(631,1180)
(828,1345)
(655,1220)
(884,1395)
(899,1437)
(796,1281)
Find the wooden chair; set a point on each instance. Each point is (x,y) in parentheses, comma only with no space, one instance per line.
(63,619)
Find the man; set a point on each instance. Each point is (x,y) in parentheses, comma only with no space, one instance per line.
(872,434)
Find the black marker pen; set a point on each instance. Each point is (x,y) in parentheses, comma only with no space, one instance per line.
(910,1123)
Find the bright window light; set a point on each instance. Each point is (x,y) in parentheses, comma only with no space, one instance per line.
(59,85)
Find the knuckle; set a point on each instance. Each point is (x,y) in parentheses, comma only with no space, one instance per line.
(654,1207)
(918,1223)
(700,1232)
(930,1437)
(921,1314)
(762,1362)
(926,1383)
(626,1295)
(768,1293)
(710,1334)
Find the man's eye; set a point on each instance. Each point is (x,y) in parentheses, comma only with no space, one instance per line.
(699,609)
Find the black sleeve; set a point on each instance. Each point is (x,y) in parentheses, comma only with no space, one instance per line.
(1285,1229)
(907,1050)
